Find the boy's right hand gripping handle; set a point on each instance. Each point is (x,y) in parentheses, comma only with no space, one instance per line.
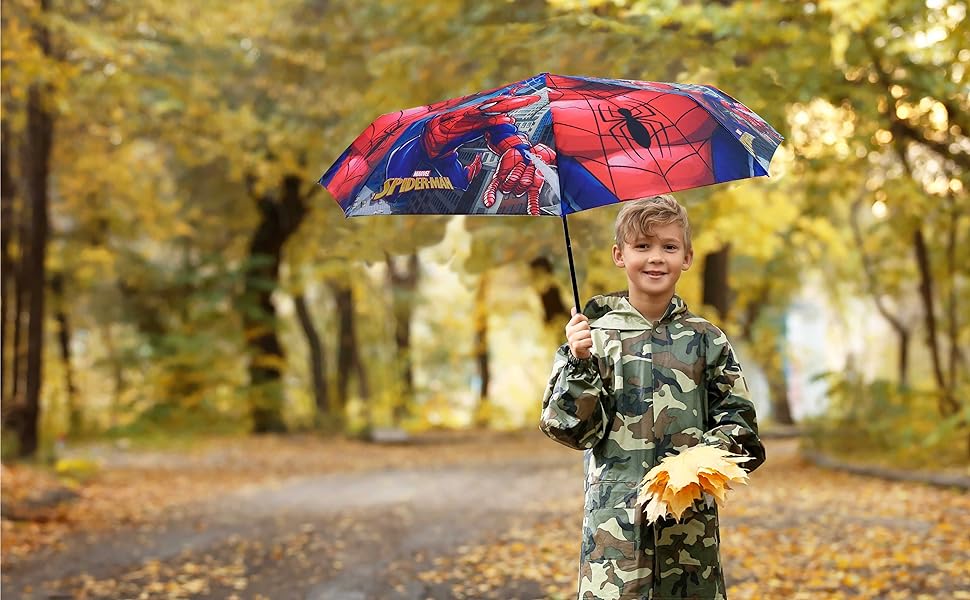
(579,336)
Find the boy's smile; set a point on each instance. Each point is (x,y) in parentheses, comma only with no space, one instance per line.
(653,263)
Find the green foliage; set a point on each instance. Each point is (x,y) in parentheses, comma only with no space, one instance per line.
(881,422)
(174,117)
(163,421)
(8,447)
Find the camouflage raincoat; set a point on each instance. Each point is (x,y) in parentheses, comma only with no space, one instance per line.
(649,391)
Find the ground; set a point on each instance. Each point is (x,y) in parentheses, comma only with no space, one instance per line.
(473,516)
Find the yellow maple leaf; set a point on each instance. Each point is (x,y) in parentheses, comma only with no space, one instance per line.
(655,509)
(679,501)
(679,480)
(715,485)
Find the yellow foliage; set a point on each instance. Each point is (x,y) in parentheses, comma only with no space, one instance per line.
(76,468)
(854,14)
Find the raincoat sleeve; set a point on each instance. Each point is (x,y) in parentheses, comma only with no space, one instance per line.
(731,420)
(576,404)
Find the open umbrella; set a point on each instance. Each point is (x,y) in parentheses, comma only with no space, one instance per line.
(550,145)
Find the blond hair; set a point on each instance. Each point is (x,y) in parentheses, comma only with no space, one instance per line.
(638,217)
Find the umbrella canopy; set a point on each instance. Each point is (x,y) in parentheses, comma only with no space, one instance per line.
(550,145)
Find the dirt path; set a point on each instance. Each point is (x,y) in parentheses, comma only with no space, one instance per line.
(347,535)
(797,532)
(507,528)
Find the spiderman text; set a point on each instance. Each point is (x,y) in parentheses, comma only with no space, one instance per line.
(399,185)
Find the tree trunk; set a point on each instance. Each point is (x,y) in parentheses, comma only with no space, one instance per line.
(8,193)
(363,388)
(64,343)
(278,221)
(346,344)
(403,283)
(318,361)
(349,364)
(482,412)
(553,308)
(778,387)
(953,323)
(773,366)
(35,168)
(948,404)
(717,292)
(902,331)
(902,366)
(20,312)
(117,374)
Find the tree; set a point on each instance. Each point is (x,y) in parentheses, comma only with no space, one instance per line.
(279,220)
(482,310)
(318,359)
(350,366)
(875,99)
(36,147)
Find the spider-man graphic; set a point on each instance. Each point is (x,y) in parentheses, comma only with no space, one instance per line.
(614,140)
(434,147)
(632,142)
(351,170)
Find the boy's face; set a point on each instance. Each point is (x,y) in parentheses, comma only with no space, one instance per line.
(653,262)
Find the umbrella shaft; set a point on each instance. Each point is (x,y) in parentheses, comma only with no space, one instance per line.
(572,266)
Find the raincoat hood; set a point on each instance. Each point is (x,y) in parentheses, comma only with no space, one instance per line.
(614,311)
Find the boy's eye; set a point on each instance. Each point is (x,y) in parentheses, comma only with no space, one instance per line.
(671,247)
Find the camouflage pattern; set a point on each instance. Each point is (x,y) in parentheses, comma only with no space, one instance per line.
(650,390)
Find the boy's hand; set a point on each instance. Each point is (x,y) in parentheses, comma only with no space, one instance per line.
(579,336)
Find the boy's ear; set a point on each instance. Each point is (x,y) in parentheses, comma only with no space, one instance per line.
(618,257)
(688,260)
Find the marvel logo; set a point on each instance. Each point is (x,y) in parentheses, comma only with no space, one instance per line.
(422,174)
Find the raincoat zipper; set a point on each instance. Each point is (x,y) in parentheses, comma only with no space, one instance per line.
(653,402)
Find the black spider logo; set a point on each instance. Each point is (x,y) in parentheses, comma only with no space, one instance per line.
(633,128)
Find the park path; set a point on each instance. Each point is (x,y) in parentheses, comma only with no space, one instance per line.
(506,529)
(335,536)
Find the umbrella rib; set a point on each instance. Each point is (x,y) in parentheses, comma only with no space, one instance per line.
(701,142)
(599,135)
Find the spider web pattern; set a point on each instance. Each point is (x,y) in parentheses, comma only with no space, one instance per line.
(722,106)
(589,127)
(617,139)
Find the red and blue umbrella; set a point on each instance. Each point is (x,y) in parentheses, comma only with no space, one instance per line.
(550,145)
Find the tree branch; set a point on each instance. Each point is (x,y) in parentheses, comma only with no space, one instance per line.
(902,129)
(948,404)
(872,283)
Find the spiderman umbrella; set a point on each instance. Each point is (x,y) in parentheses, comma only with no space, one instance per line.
(550,145)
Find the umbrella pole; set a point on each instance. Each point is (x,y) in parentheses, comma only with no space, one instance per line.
(572,266)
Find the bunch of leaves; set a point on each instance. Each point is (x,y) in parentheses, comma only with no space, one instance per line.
(679,480)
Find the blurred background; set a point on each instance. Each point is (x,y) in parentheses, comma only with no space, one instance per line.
(171,271)
(170,265)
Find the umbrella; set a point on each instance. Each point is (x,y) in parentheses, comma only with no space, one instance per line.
(550,145)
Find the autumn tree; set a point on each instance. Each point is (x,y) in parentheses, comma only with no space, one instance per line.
(28,25)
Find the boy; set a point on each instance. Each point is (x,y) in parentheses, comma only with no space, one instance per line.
(641,378)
